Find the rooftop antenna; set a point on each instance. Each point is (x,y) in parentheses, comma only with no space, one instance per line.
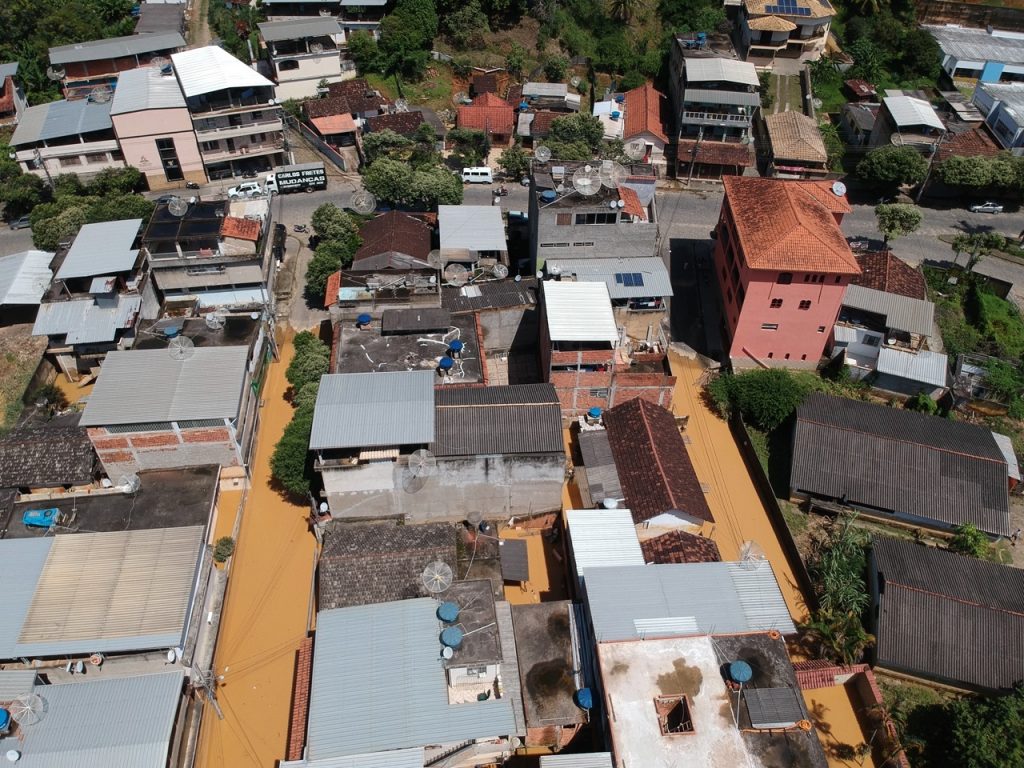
(316,47)
(363,201)
(55,74)
(460,98)
(177,206)
(612,174)
(181,348)
(101,94)
(499,270)
(159,62)
(751,555)
(456,274)
(422,463)
(838,188)
(401,105)
(437,577)
(130,483)
(215,320)
(434,259)
(542,153)
(586,181)
(28,709)
(635,149)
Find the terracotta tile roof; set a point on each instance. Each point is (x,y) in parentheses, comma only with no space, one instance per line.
(360,96)
(653,466)
(390,237)
(795,136)
(680,547)
(484,84)
(788,225)
(632,202)
(333,124)
(243,229)
(331,291)
(771,24)
(977,142)
(488,113)
(326,107)
(490,100)
(402,123)
(300,700)
(716,153)
(643,113)
(882,271)
(541,125)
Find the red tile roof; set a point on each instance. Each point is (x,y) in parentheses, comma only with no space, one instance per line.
(861,88)
(680,547)
(300,700)
(977,142)
(632,203)
(487,113)
(884,272)
(651,459)
(331,291)
(391,236)
(716,153)
(789,225)
(402,123)
(542,120)
(644,106)
(242,229)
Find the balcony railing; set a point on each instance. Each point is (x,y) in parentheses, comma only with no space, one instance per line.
(721,119)
(230,105)
(229,131)
(249,150)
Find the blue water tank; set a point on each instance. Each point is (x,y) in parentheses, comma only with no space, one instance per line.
(456,346)
(548,195)
(363,319)
(5,720)
(40,518)
(620,98)
(702,37)
(523,106)
(584,698)
(446,363)
(740,672)
(594,413)
(448,612)
(171,331)
(616,115)
(451,637)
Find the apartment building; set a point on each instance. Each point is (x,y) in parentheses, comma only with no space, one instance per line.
(86,68)
(66,137)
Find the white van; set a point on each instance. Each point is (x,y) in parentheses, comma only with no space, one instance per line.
(477,176)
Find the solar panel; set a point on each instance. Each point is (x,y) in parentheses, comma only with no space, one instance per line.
(638,279)
(619,278)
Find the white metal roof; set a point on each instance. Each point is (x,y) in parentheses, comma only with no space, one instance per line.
(579,312)
(721,70)
(966,44)
(909,111)
(99,723)
(924,366)
(638,277)
(471,227)
(148,385)
(146,88)
(589,760)
(211,68)
(101,249)
(602,538)
(24,277)
(1006,447)
(296,29)
(393,758)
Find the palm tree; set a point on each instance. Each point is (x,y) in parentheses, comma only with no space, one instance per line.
(839,637)
(624,10)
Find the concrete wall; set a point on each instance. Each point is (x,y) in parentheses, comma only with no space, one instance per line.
(638,324)
(138,131)
(588,240)
(506,329)
(128,453)
(496,486)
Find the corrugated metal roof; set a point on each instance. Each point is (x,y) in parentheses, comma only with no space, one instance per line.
(102,249)
(551,90)
(1006,446)
(357,410)
(150,385)
(894,460)
(706,96)
(21,563)
(721,71)
(120,721)
(592,760)
(14,682)
(24,277)
(599,466)
(115,47)
(653,281)
(211,68)
(8,69)
(395,758)
(515,559)
(121,591)
(296,29)
(146,88)
(513,419)
(602,538)
(967,44)
(902,313)
(773,707)
(59,119)
(721,598)
(379,684)
(924,366)
(86,321)
(499,294)
(909,111)
(471,227)
(579,312)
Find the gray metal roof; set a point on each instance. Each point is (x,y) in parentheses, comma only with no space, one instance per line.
(721,70)
(14,682)
(359,410)
(599,466)
(395,758)
(8,69)
(471,227)
(379,684)
(1005,444)
(707,96)
(898,461)
(556,90)
(21,564)
(146,88)
(102,723)
(602,538)
(59,119)
(87,321)
(924,366)
(901,313)
(513,419)
(653,276)
(115,47)
(102,249)
(968,44)
(1010,94)
(773,707)
(591,760)
(296,29)
(634,602)
(24,277)
(150,385)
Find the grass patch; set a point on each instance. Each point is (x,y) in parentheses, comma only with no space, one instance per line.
(433,92)
(921,719)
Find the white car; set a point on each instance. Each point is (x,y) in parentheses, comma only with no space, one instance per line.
(987,208)
(246,189)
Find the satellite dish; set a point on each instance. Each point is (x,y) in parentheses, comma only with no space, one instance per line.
(500,271)
(575,80)
(460,98)
(751,555)
(422,463)
(612,174)
(437,577)
(474,518)
(28,709)
(181,348)
(434,259)
(401,105)
(817,103)
(586,181)
(363,201)
(542,153)
(55,74)
(101,94)
(215,320)
(177,206)
(130,483)
(838,188)
(316,47)
(456,274)
(447,652)
(159,62)
(635,149)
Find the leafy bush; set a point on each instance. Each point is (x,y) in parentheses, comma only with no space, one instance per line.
(968,540)
(893,166)
(223,549)
(292,464)
(921,403)
(765,398)
(555,69)
(514,162)
(837,565)
(988,732)
(311,361)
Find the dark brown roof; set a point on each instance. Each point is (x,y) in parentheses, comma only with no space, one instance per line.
(326,107)
(363,564)
(977,142)
(484,84)
(899,462)
(498,294)
(361,97)
(654,468)
(949,617)
(882,271)
(511,419)
(716,153)
(680,547)
(393,240)
(402,123)
(42,457)
(542,120)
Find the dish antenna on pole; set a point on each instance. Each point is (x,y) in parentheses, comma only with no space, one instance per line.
(130,483)
(177,206)
(635,149)
(612,174)
(401,105)
(434,259)
(363,201)
(159,62)
(28,709)
(216,319)
(437,577)
(181,348)
(586,181)
(422,463)
(101,94)
(55,74)
(500,271)
(542,153)
(456,274)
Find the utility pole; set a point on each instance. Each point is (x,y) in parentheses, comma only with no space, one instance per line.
(693,155)
(208,686)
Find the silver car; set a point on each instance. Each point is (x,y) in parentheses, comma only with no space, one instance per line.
(21,223)
(987,208)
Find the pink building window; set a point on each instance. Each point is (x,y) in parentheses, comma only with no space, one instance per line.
(805,304)
(776,303)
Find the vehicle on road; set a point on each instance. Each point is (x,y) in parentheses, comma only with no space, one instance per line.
(245,189)
(22,222)
(987,208)
(300,228)
(477,176)
(191,185)
(305,177)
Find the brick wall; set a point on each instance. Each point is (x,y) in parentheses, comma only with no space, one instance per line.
(123,454)
(300,699)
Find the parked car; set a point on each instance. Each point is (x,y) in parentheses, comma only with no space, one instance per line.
(246,189)
(987,208)
(22,222)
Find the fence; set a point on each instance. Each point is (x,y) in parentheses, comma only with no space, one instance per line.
(323,147)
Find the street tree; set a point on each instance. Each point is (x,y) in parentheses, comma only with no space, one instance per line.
(976,245)
(330,223)
(386,143)
(21,194)
(48,233)
(328,258)
(116,181)
(897,220)
(469,146)
(307,367)
(291,464)
(514,162)
(435,185)
(893,166)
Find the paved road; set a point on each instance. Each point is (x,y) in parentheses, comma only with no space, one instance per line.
(14,240)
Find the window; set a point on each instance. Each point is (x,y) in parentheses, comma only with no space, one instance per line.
(872,341)
(771,355)
(787,355)
(805,304)
(210,146)
(728,296)
(69,161)
(769,326)
(288,65)
(803,357)
(740,295)
(582,245)
(603,393)
(96,157)
(554,245)
(724,233)
(839,279)
(735,274)
(200,423)
(807,278)
(597,218)
(116,155)
(563,219)
(169,159)
(785,278)
(257,115)
(776,303)
(821,329)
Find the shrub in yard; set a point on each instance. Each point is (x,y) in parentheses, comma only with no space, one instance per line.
(765,398)
(308,366)
(223,549)
(292,464)
(968,540)
(921,403)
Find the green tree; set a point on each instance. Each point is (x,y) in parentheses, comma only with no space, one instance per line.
(988,732)
(68,184)
(397,183)
(976,245)
(920,55)
(328,258)
(116,207)
(48,233)
(555,68)
(306,397)
(291,464)
(306,342)
(223,549)
(922,403)
(514,162)
(837,564)
(330,223)
(365,52)
(469,146)
(893,166)
(838,637)
(623,10)
(386,143)
(577,127)
(897,219)
(971,172)
(435,185)
(765,397)
(515,61)
(21,194)
(869,60)
(573,150)
(307,368)
(835,147)
(388,180)
(116,181)
(406,35)
(467,27)
(968,540)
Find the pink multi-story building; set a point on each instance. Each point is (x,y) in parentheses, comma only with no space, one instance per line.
(783,265)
